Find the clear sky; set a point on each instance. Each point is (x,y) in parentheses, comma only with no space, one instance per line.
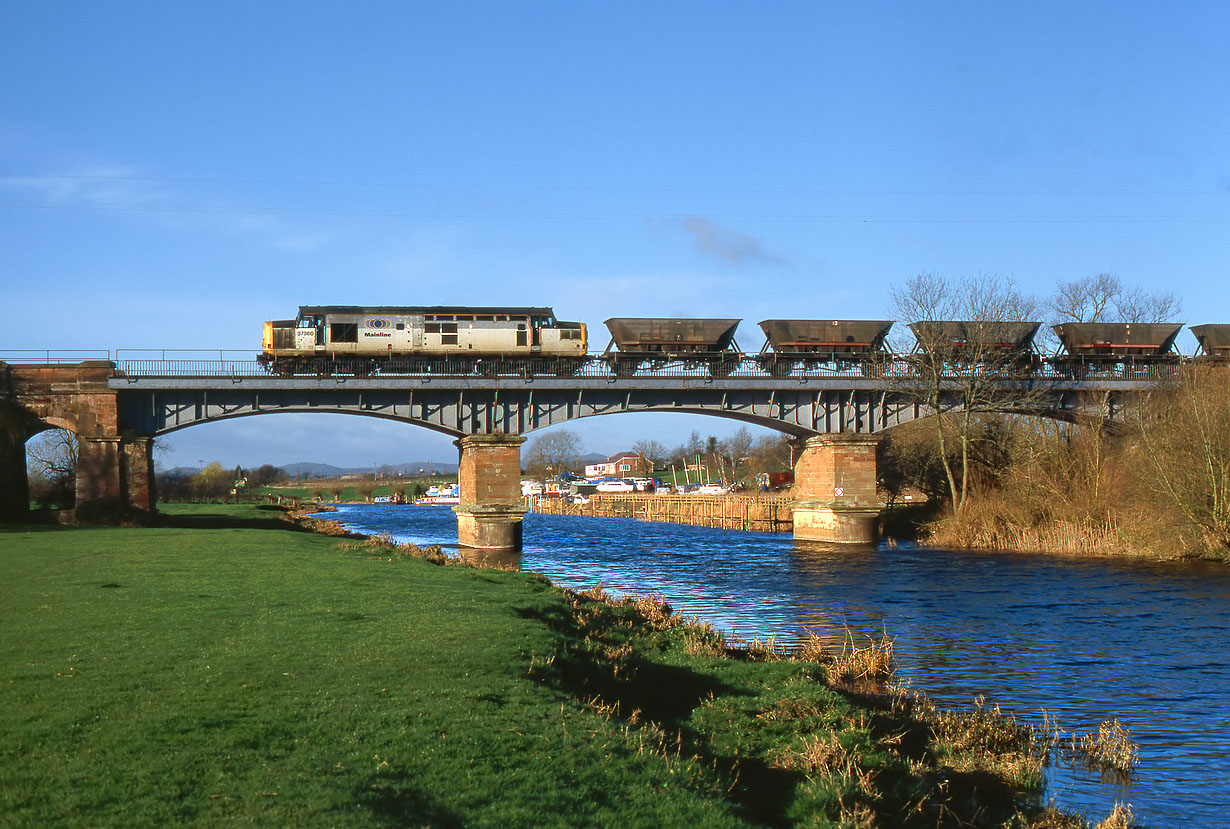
(173,174)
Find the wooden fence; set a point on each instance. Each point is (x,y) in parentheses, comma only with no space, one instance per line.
(755,513)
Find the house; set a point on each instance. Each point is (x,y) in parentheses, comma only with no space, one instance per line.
(622,465)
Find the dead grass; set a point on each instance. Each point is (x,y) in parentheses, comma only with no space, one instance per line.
(1110,747)
(820,754)
(701,639)
(854,664)
(981,737)
(994,521)
(384,545)
(1119,818)
(988,529)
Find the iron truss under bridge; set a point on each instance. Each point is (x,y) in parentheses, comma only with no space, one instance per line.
(156,397)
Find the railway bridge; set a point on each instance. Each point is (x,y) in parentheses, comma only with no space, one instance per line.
(117,408)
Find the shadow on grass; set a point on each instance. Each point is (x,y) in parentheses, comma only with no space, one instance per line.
(597,665)
(967,797)
(393,801)
(276,520)
(214,522)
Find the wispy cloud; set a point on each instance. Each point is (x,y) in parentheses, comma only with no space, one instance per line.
(725,245)
(113,187)
(169,201)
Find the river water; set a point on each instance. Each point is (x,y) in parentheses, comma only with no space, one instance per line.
(1084,639)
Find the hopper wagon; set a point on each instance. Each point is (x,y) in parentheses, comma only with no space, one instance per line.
(1009,344)
(1115,346)
(1214,340)
(657,341)
(809,343)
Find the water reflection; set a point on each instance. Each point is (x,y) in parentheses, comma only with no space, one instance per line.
(1086,640)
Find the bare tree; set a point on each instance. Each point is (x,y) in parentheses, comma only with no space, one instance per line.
(773,453)
(552,453)
(267,474)
(53,455)
(51,464)
(972,335)
(1184,432)
(1103,298)
(738,447)
(1136,305)
(694,447)
(651,450)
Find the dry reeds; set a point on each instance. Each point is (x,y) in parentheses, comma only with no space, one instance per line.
(819,754)
(385,545)
(323,526)
(703,640)
(652,611)
(991,531)
(1121,817)
(1111,747)
(854,664)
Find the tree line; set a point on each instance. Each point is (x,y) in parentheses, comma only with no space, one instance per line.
(1154,480)
(732,458)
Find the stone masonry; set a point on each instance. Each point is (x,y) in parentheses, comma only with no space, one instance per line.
(74,397)
(491,510)
(835,489)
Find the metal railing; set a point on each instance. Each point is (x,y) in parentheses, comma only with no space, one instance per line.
(54,356)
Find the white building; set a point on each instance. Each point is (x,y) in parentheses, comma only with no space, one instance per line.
(622,465)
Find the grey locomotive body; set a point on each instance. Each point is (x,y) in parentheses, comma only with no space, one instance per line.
(400,338)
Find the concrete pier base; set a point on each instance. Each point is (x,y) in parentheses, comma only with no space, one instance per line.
(835,490)
(490,512)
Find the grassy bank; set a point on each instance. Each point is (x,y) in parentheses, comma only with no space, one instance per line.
(228,668)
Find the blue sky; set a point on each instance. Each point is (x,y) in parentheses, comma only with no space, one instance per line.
(173,174)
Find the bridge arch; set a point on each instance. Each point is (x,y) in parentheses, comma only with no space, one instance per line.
(750,419)
(230,416)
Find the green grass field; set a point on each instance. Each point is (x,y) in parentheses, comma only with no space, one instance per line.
(229,669)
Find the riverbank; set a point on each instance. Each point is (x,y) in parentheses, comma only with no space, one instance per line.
(991,521)
(754,513)
(229,667)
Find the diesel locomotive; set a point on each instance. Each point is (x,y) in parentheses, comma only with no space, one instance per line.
(411,339)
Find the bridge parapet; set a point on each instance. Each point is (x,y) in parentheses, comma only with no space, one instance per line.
(75,397)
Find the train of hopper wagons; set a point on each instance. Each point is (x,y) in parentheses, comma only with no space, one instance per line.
(494,341)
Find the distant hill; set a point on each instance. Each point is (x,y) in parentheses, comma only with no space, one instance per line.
(327,470)
(312,469)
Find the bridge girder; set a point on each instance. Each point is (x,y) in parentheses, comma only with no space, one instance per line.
(469,407)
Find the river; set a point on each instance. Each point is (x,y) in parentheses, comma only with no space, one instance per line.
(1084,639)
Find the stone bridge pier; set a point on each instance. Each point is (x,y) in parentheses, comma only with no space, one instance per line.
(835,489)
(490,512)
(112,466)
